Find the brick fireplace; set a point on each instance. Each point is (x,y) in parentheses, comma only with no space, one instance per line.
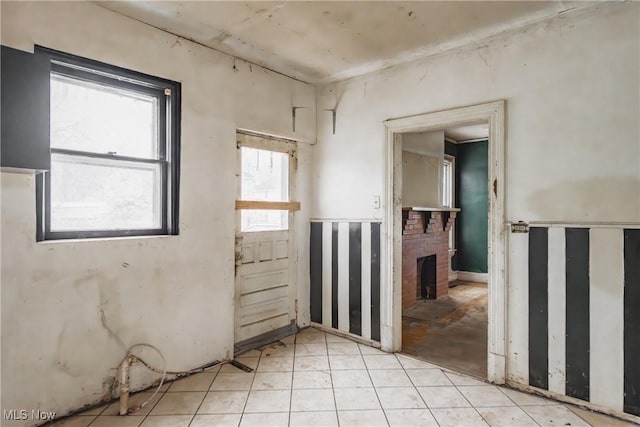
(425,253)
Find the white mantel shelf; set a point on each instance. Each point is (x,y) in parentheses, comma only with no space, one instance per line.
(427,209)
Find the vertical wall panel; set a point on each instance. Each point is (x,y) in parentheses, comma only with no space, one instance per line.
(632,322)
(577,320)
(316,272)
(343,276)
(355,278)
(518,308)
(557,305)
(375,281)
(327,250)
(538,315)
(334,275)
(606,307)
(365,261)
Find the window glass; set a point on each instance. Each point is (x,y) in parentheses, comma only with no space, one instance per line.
(92,117)
(265,177)
(115,149)
(90,194)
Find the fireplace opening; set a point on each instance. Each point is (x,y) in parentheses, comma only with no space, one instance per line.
(426,286)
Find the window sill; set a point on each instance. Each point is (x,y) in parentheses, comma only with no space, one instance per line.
(103,239)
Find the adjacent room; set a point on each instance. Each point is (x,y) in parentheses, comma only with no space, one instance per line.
(445,193)
(320,213)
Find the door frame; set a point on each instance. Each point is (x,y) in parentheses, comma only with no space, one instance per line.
(290,147)
(391,283)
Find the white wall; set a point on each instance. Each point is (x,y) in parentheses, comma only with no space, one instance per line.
(69,309)
(420,180)
(422,159)
(572,131)
(571,88)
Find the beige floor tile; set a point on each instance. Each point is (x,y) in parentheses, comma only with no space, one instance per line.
(598,420)
(195,382)
(118,421)
(76,421)
(291,339)
(356,399)
(336,338)
(381,361)
(367,418)
(250,353)
(311,349)
(400,398)
(179,403)
(219,420)
(506,417)
(427,377)
(343,348)
(278,349)
(408,362)
(485,396)
(389,378)
(458,417)
(367,349)
(311,379)
(443,397)
(167,421)
(351,361)
(232,381)
(273,419)
(526,399)
(459,379)
(223,402)
(275,364)
(272,381)
(556,415)
(312,400)
(311,363)
(268,401)
(410,418)
(351,379)
(310,335)
(313,419)
(95,411)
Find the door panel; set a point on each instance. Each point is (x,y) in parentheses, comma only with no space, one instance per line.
(265,278)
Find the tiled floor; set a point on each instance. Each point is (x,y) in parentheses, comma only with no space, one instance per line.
(318,379)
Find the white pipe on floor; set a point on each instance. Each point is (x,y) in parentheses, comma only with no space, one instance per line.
(124,385)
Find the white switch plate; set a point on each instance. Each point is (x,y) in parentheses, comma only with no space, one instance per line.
(376,202)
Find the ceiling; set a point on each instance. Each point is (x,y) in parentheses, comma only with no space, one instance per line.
(320,41)
(468,133)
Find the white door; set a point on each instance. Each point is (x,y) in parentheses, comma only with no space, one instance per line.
(265,251)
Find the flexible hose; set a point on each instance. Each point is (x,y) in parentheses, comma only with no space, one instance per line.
(162,371)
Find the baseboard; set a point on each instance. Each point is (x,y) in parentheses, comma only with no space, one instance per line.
(264,339)
(453,276)
(469,276)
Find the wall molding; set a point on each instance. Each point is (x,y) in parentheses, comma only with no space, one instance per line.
(470,276)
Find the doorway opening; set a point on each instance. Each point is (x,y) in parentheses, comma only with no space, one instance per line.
(410,219)
(445,218)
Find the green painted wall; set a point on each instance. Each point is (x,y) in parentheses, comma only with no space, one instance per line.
(472,196)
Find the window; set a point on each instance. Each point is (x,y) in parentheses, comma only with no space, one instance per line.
(114,137)
(448,183)
(265,177)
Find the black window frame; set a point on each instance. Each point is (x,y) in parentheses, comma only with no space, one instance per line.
(168,93)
